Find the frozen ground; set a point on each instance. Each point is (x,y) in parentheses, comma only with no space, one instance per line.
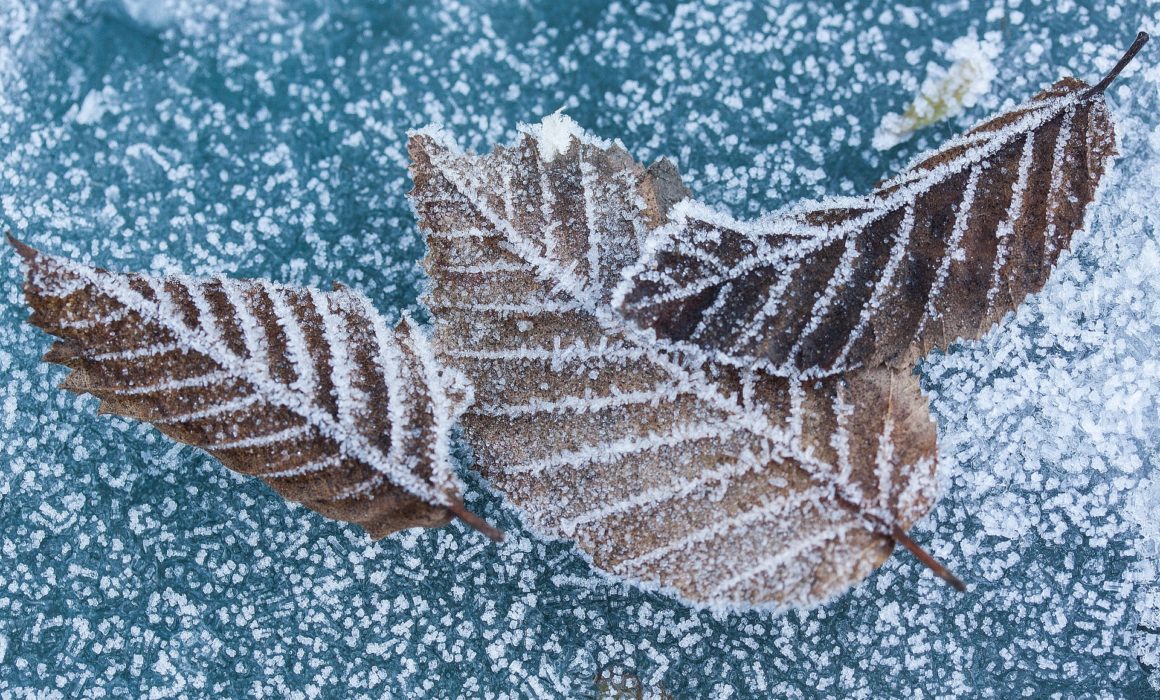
(267,138)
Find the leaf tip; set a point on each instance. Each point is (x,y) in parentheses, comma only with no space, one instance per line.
(26,251)
(60,353)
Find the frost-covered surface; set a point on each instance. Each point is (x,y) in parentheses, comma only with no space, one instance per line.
(1143,509)
(267,138)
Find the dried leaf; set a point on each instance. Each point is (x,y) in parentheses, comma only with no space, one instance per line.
(938,253)
(307,390)
(729,488)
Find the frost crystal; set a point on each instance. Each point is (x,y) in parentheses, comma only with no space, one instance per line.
(556,134)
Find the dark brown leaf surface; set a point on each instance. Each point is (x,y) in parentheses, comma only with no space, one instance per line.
(729,488)
(309,391)
(938,253)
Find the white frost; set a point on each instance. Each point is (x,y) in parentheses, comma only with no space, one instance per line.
(555,135)
(946,92)
(1143,510)
(95,105)
(155,14)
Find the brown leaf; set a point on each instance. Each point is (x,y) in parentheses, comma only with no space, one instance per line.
(729,488)
(940,252)
(309,391)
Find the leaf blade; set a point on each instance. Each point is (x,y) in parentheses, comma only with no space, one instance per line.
(938,253)
(275,382)
(602,437)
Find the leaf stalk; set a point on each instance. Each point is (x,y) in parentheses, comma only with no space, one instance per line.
(1141,39)
(925,557)
(459,510)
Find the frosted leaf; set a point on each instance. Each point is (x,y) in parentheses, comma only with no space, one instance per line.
(309,391)
(730,489)
(938,253)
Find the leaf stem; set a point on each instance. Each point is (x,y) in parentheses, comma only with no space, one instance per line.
(459,510)
(923,556)
(1141,39)
(26,251)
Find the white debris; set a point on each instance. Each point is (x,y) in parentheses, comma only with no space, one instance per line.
(95,105)
(154,14)
(946,92)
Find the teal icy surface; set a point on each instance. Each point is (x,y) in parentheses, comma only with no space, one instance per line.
(267,138)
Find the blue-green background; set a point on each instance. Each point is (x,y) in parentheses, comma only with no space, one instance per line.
(267,138)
